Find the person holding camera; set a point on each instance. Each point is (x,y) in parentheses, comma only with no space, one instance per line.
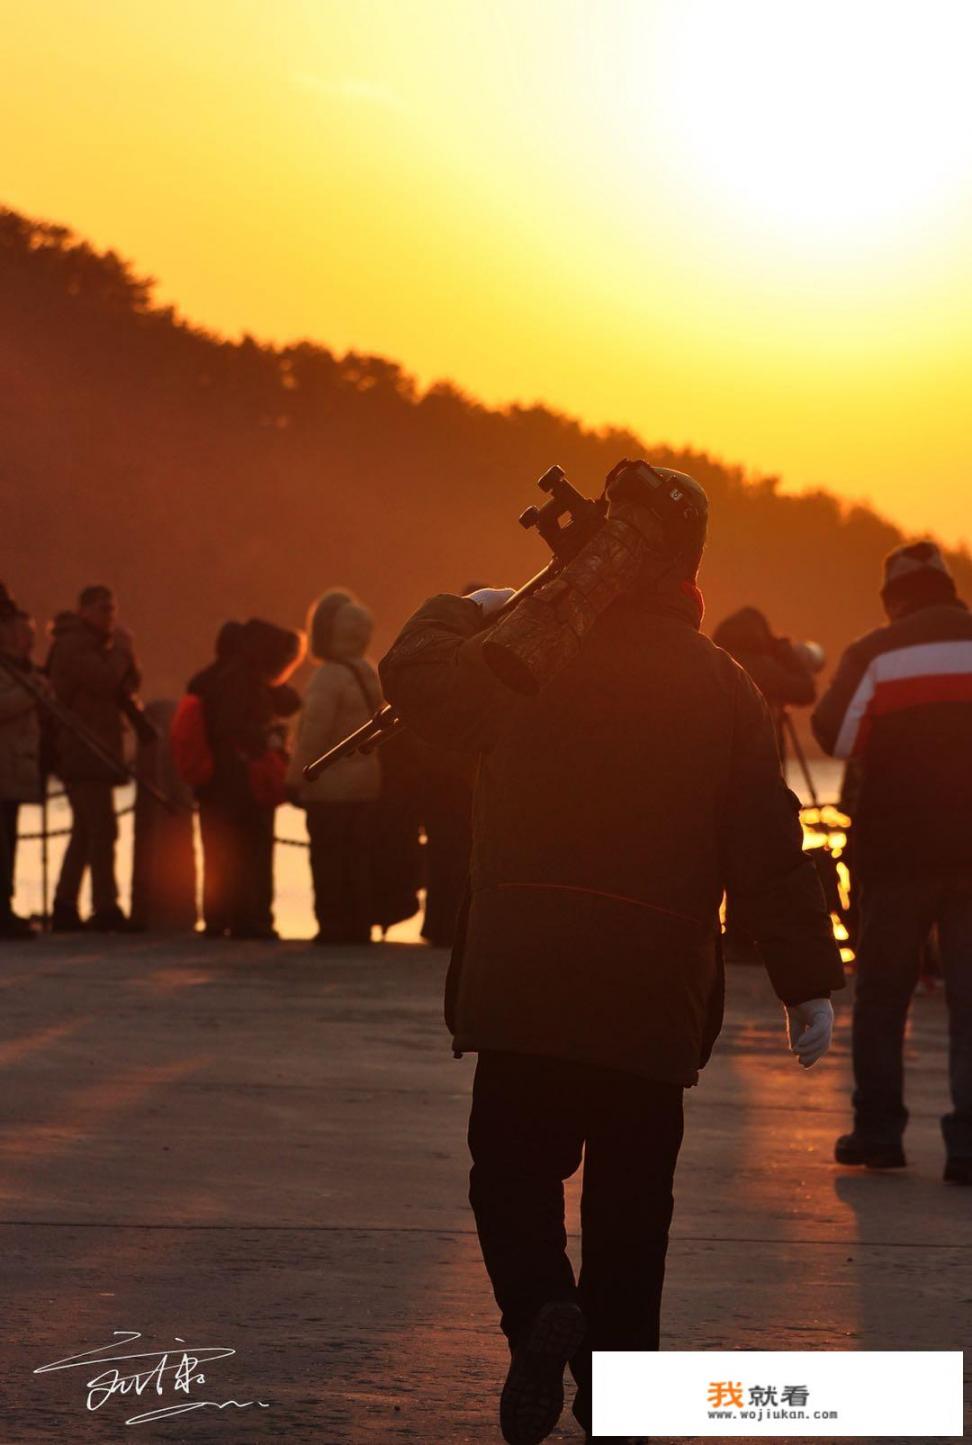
(781,669)
(94,675)
(627,778)
(900,708)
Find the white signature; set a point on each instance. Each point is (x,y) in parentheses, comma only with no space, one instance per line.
(183,1367)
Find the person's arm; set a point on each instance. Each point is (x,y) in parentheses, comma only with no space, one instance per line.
(456,688)
(77,665)
(121,654)
(772,885)
(435,678)
(14,699)
(840,719)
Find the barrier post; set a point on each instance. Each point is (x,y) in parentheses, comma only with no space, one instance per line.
(45,861)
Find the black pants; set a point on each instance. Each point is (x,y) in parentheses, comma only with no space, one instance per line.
(341,867)
(94,832)
(9,810)
(237,840)
(897,915)
(531,1118)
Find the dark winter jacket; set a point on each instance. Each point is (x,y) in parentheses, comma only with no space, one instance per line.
(241,710)
(900,706)
(611,812)
(91,674)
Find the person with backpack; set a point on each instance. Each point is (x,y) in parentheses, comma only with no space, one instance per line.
(228,742)
(341,805)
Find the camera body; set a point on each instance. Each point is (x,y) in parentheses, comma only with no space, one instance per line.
(674,500)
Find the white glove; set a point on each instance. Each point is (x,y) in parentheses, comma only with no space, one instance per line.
(809,1028)
(491,599)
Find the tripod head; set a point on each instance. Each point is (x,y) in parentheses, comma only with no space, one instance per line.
(565,540)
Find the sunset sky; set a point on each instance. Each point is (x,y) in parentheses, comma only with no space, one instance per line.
(743,226)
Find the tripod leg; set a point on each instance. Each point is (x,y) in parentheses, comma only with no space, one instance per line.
(45,860)
(801,758)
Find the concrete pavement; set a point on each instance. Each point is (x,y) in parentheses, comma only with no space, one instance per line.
(262,1148)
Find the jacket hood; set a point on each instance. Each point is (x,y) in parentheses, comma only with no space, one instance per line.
(744,631)
(340,627)
(271,651)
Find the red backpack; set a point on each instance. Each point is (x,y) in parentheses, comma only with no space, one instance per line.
(189,742)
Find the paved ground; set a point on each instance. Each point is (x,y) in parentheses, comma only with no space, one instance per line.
(262,1148)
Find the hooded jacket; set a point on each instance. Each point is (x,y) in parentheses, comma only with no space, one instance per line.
(242,708)
(90,673)
(612,810)
(342,695)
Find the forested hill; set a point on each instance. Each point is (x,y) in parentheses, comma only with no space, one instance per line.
(208,479)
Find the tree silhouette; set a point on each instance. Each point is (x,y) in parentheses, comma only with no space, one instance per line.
(206,479)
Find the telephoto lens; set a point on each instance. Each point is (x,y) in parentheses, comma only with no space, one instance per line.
(811,654)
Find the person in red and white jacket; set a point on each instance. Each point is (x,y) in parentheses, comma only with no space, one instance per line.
(900,707)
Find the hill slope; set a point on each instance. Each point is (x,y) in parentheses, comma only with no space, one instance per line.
(206,479)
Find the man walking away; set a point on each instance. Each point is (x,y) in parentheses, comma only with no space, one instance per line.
(93,673)
(900,706)
(614,806)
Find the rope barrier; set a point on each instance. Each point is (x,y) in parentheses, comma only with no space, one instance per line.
(65,832)
(124,813)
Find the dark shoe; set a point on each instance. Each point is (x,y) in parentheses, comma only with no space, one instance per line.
(250,933)
(112,920)
(341,940)
(66,919)
(15,929)
(533,1396)
(958,1171)
(872,1153)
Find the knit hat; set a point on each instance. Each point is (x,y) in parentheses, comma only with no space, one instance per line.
(915,560)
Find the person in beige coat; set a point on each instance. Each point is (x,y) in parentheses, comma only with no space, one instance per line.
(341,804)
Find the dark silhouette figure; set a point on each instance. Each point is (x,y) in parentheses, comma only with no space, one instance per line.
(245,698)
(20,752)
(341,804)
(777,667)
(613,808)
(93,673)
(900,708)
(447,781)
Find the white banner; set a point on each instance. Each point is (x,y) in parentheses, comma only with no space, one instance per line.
(785,1392)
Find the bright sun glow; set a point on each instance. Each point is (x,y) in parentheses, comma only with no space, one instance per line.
(825,120)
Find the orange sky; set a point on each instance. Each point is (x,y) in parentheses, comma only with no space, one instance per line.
(745,227)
